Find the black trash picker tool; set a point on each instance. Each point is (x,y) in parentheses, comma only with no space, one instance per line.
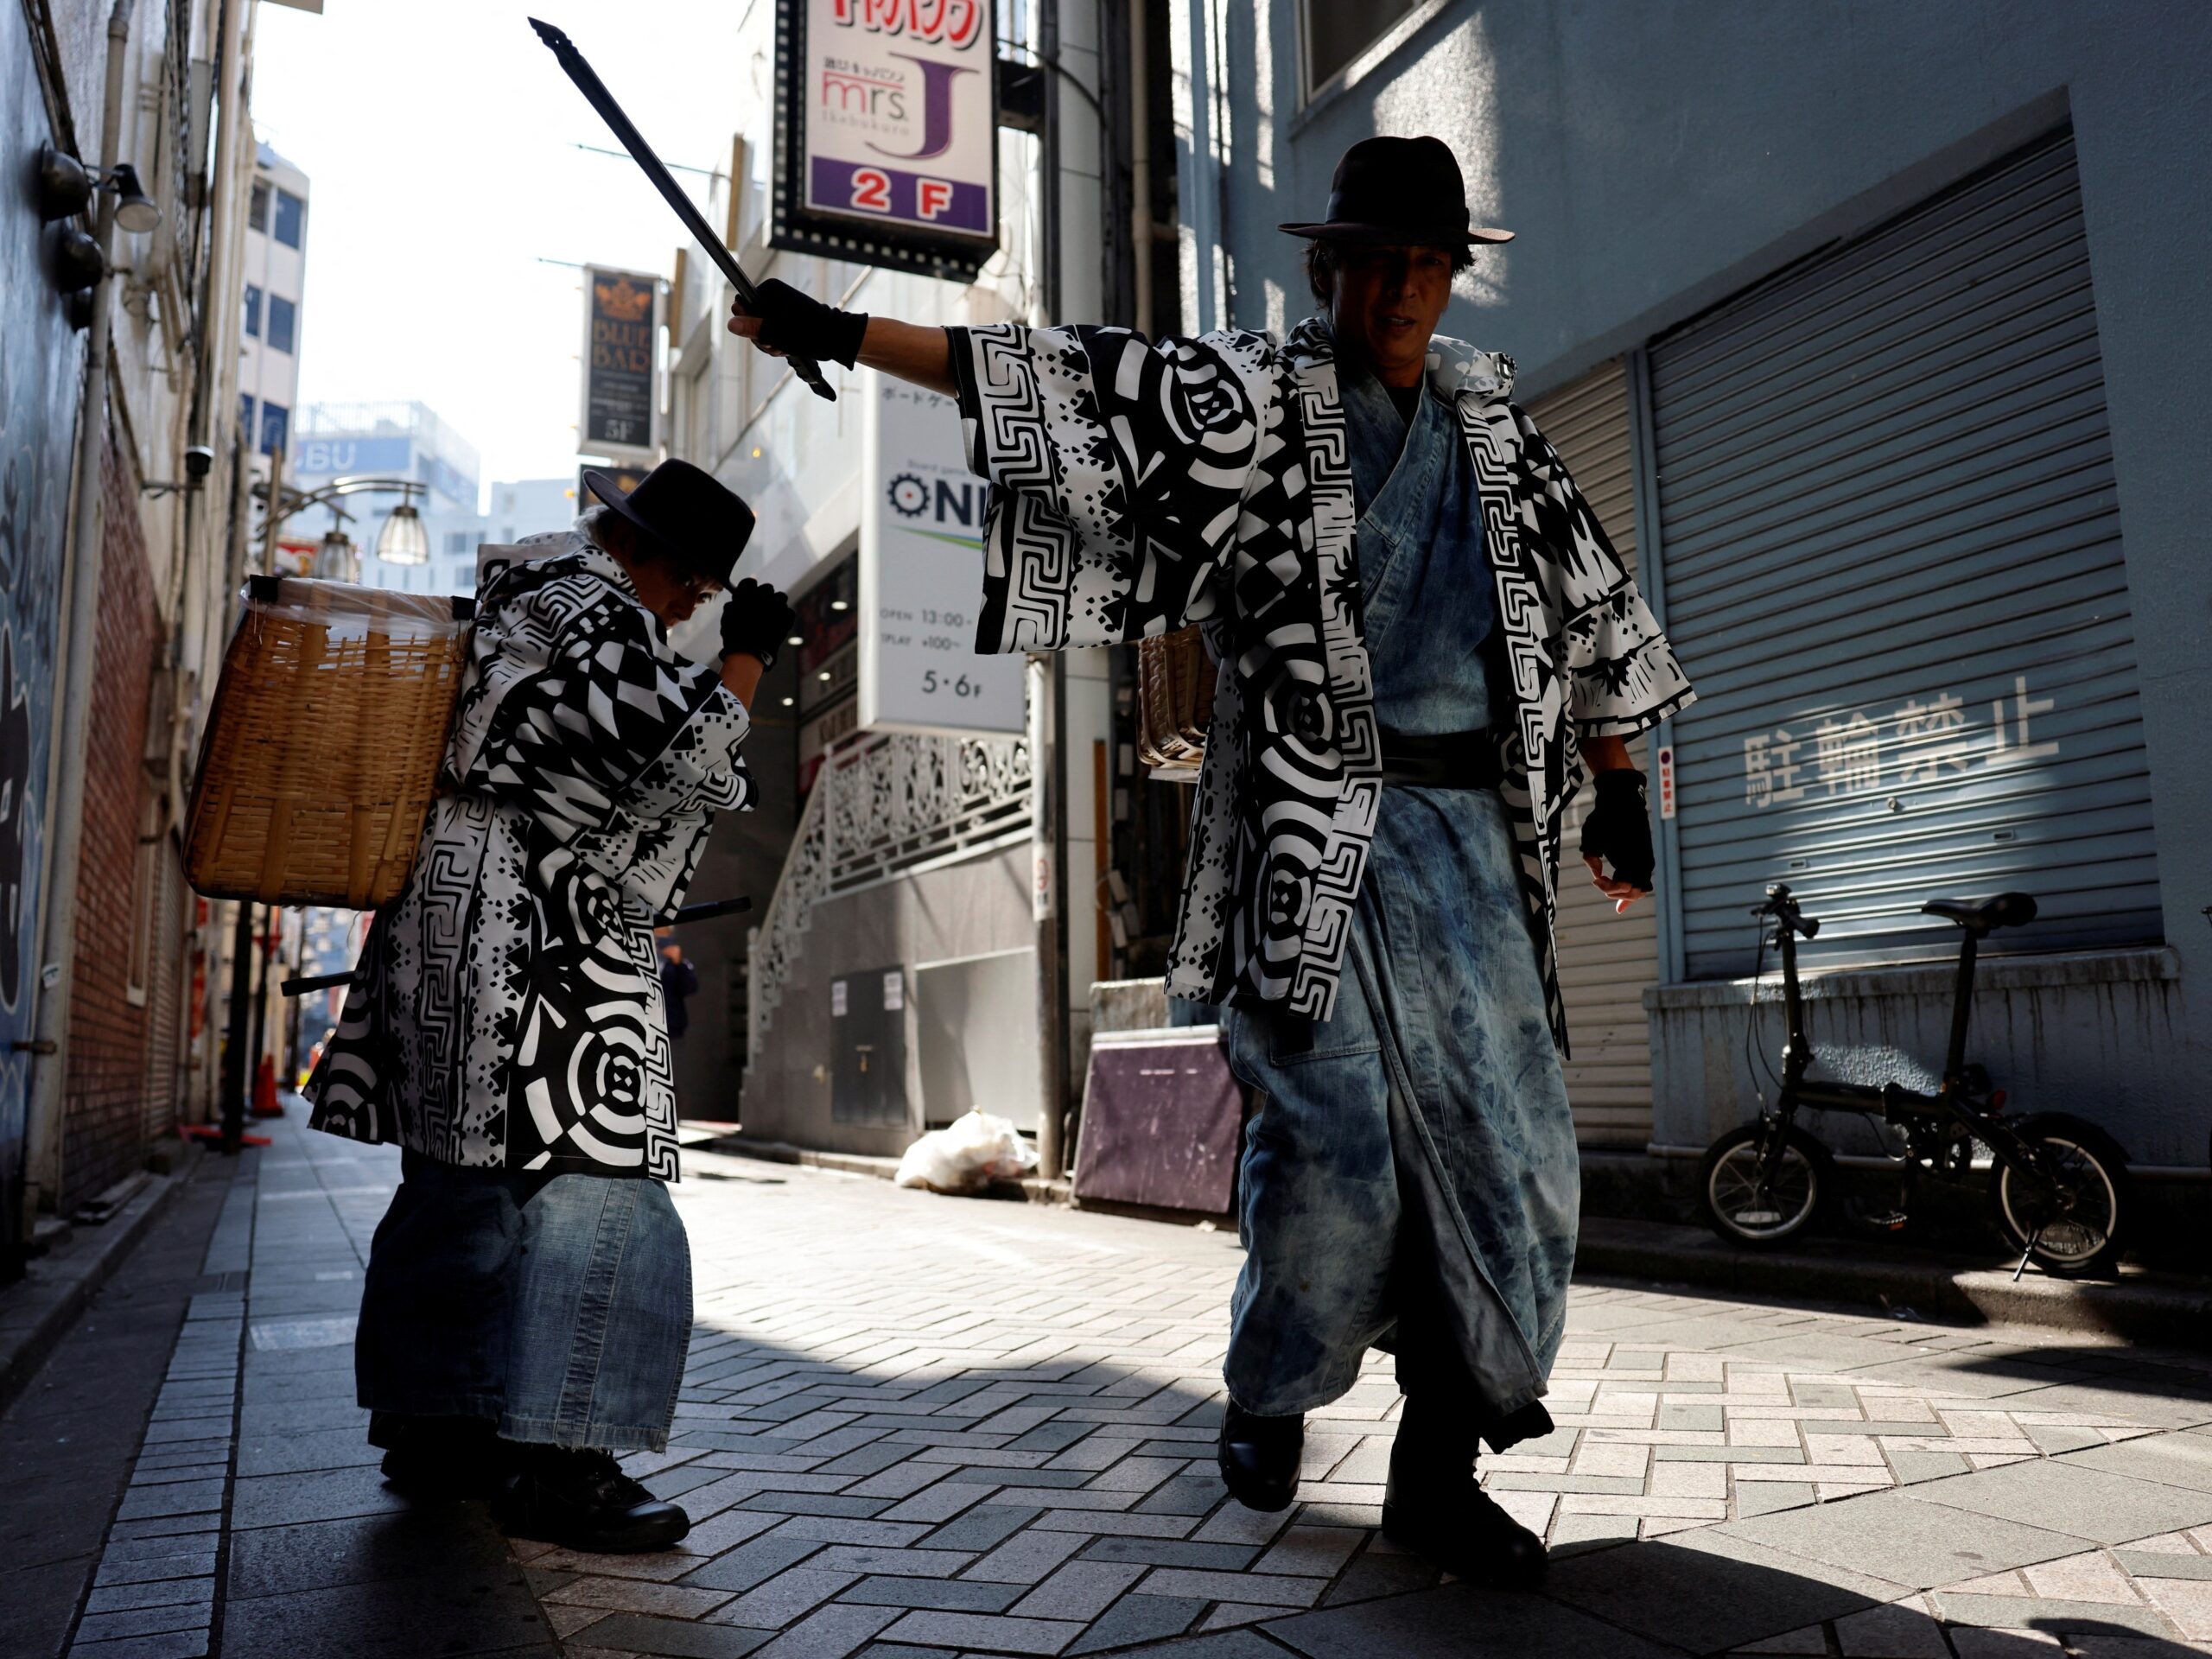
(588,83)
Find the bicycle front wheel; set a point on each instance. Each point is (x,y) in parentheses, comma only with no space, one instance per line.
(1743,1211)
(2070,1221)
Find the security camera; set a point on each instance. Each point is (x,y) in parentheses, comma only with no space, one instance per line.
(199,461)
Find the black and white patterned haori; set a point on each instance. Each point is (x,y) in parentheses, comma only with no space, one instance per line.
(1145,486)
(509,1013)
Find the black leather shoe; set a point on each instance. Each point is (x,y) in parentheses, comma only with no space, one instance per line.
(583,1500)
(442,1459)
(1259,1457)
(1459,1527)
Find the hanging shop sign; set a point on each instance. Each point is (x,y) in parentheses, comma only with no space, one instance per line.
(886,133)
(621,388)
(922,575)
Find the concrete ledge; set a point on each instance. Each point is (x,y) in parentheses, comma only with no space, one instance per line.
(1991,973)
(37,1311)
(2169,1309)
(1032,1190)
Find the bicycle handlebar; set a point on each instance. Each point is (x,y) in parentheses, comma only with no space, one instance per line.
(1782,907)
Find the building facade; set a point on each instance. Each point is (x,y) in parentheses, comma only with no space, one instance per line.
(894,931)
(1871,337)
(524,506)
(124,526)
(269,306)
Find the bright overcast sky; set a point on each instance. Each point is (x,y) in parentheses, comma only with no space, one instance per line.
(439,138)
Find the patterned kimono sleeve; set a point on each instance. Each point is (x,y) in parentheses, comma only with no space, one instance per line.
(700,768)
(1118,465)
(1621,675)
(577,705)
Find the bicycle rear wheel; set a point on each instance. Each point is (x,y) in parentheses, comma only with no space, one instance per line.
(2072,1225)
(1736,1208)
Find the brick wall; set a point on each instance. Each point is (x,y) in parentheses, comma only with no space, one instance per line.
(106,1117)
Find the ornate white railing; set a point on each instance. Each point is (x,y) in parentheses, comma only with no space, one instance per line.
(882,806)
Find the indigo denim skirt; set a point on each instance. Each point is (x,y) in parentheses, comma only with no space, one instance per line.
(558,1307)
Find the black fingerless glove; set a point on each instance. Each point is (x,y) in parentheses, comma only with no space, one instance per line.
(799,325)
(756,621)
(1618,829)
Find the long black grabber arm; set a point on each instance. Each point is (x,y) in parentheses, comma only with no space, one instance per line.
(590,84)
(698,913)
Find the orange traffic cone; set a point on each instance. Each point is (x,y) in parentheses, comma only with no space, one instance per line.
(265,1090)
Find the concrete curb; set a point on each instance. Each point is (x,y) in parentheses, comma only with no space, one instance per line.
(1034,1190)
(2166,1310)
(38,1310)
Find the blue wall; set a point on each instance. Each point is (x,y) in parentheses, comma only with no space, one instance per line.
(1656,158)
(42,361)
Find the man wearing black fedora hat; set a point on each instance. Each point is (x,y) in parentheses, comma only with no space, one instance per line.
(527,1307)
(1426,645)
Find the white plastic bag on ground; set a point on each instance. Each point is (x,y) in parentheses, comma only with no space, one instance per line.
(968,1156)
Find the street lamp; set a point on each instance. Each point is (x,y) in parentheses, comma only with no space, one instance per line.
(402,539)
(337,559)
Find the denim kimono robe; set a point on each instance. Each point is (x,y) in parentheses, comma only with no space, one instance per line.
(1425,1128)
(509,1013)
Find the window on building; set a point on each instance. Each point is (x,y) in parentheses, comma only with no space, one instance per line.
(253,310)
(1336,33)
(245,413)
(290,210)
(458,543)
(283,316)
(276,427)
(256,213)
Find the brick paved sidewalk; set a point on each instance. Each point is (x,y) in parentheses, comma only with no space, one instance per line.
(918,1426)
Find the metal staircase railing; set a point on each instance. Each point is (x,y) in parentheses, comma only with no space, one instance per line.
(882,806)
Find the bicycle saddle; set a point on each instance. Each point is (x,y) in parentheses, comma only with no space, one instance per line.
(2006,910)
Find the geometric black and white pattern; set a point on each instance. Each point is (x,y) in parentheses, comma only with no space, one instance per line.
(1141,486)
(509,1013)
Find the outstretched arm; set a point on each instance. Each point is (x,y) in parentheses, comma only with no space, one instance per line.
(791,321)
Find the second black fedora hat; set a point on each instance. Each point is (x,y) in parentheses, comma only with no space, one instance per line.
(684,514)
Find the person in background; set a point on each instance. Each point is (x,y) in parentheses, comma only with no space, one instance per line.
(1426,645)
(679,983)
(527,1307)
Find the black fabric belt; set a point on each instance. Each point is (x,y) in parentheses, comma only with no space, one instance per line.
(1447,761)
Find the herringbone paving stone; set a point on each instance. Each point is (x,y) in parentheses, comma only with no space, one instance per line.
(920,1426)
(914,1426)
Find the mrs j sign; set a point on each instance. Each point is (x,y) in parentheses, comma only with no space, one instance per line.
(886,146)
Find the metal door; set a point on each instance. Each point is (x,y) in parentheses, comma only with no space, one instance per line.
(1605,960)
(868,1073)
(1893,569)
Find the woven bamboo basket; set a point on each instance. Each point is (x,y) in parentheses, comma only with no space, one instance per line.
(323,745)
(1174,701)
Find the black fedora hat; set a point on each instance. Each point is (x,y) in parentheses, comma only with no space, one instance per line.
(1398,191)
(683,514)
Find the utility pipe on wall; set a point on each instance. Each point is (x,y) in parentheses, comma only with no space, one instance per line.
(58,938)
(1140,169)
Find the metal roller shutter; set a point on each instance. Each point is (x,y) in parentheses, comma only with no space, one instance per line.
(1605,960)
(1893,569)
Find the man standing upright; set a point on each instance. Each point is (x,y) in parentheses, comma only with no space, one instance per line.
(1425,644)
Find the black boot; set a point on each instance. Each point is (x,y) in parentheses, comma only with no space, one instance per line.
(442,1459)
(1434,1507)
(583,1499)
(1259,1457)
